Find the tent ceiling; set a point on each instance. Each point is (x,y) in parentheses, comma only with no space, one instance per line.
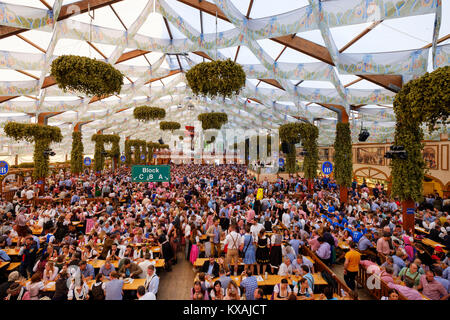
(296,65)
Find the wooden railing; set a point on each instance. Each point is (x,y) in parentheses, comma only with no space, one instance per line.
(319,266)
(371,285)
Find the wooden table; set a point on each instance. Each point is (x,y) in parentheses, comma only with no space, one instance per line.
(343,245)
(273,280)
(36,230)
(50,286)
(97,264)
(201,261)
(3,264)
(433,244)
(423,230)
(12,252)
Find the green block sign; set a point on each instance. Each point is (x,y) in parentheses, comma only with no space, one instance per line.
(150,173)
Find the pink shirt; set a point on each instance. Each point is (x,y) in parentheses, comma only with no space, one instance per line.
(314,243)
(409,293)
(433,290)
(250,215)
(383,246)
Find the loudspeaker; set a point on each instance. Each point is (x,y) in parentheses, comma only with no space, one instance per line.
(363,135)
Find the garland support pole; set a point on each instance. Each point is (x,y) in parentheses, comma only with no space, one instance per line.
(43,119)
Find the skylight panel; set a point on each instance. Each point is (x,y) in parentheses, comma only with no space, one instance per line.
(154,27)
(396,35)
(267,8)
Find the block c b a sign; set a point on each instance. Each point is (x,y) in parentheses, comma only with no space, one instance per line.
(150,173)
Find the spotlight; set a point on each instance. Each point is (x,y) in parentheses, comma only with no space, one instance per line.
(363,135)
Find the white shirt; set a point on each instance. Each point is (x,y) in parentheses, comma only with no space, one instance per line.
(152,283)
(255,229)
(30,194)
(286,219)
(233,240)
(148,296)
(187,231)
(284,269)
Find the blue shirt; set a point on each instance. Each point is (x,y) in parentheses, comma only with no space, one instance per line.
(364,243)
(446,273)
(445,283)
(89,271)
(4,256)
(356,236)
(250,284)
(113,289)
(295,244)
(399,261)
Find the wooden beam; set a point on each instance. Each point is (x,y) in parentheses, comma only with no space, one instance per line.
(202,54)
(7,98)
(272,82)
(171,73)
(353,82)
(31,43)
(78,125)
(28,74)
(96,49)
(438,41)
(118,17)
(131,55)
(46,4)
(67,11)
(390,82)
(359,36)
(207,7)
(44,116)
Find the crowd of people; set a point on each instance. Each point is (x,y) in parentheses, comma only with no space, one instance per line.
(222,213)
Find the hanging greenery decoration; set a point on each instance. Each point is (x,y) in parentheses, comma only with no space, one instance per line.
(223,78)
(169,125)
(307,134)
(152,146)
(145,113)
(100,140)
(290,133)
(423,100)
(76,156)
(343,155)
(213,120)
(86,75)
(140,148)
(41,135)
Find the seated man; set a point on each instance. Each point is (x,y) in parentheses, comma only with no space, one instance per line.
(285,268)
(211,267)
(130,269)
(87,270)
(432,288)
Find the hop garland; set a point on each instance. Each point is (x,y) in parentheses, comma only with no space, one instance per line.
(86,75)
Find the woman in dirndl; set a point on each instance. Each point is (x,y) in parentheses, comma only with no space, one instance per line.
(262,251)
(276,255)
(248,251)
